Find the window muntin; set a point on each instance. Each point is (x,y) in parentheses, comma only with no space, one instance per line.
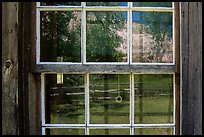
(87,126)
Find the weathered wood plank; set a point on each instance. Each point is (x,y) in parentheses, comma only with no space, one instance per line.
(184,74)
(10,68)
(198,91)
(177,67)
(191,68)
(195,88)
(55,68)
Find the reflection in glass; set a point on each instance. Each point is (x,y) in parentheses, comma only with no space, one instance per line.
(109,98)
(154,131)
(64,131)
(152,4)
(153,98)
(60,36)
(106,37)
(106,3)
(152,37)
(65,102)
(109,131)
(60,3)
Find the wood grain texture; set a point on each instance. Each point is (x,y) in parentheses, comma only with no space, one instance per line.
(9,68)
(191,68)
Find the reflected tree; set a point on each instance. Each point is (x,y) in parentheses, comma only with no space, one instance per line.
(159,26)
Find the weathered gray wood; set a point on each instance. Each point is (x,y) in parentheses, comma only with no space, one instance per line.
(55,68)
(9,68)
(177,66)
(29,83)
(191,68)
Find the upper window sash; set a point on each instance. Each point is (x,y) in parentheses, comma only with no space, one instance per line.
(83,8)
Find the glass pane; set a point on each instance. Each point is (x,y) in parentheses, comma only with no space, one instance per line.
(60,3)
(109,99)
(106,37)
(106,3)
(65,101)
(60,36)
(153,98)
(64,131)
(154,131)
(109,131)
(152,4)
(152,37)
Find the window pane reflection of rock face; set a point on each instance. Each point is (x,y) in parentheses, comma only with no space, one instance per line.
(65,102)
(60,36)
(105,108)
(152,37)
(106,37)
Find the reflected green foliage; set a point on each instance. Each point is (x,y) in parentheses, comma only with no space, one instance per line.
(103,3)
(66,131)
(58,39)
(153,131)
(102,37)
(61,35)
(152,4)
(60,3)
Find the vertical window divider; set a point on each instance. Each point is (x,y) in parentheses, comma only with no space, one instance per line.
(173,23)
(130,32)
(132,103)
(43,101)
(86,103)
(174,103)
(83,33)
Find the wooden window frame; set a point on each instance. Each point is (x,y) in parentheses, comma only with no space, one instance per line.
(132,68)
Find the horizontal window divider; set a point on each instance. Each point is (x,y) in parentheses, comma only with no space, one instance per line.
(103,68)
(63,125)
(155,125)
(59,8)
(107,125)
(110,8)
(101,8)
(152,9)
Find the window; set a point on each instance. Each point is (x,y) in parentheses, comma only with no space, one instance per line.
(107,67)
